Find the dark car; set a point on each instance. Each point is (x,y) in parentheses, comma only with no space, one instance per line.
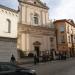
(11,69)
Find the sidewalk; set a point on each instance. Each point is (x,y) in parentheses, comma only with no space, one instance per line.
(31,64)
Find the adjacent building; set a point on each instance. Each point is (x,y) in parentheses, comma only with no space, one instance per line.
(8,33)
(65,36)
(35,33)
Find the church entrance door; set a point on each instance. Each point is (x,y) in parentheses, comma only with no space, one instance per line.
(37,50)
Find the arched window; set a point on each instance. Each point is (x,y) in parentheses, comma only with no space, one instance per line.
(36,20)
(8,26)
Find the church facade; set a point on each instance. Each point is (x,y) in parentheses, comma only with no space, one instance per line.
(34,29)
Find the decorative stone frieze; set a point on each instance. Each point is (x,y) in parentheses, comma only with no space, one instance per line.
(35,30)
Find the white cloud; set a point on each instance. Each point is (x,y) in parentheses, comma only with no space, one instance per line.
(61,9)
(66,9)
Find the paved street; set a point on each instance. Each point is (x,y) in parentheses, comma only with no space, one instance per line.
(55,67)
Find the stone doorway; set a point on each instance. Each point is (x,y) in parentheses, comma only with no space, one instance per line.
(37,48)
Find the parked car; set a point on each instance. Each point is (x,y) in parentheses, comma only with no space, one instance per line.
(11,69)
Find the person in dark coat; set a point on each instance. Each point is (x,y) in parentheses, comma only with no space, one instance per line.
(13,60)
(35,59)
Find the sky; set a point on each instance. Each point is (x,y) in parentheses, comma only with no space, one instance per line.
(58,9)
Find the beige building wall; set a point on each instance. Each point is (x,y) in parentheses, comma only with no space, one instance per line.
(29,32)
(27,41)
(68,44)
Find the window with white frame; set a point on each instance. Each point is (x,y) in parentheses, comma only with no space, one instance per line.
(36,19)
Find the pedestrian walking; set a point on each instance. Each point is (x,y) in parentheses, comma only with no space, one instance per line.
(35,59)
(13,60)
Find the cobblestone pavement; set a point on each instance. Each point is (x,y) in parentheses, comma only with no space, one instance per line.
(66,67)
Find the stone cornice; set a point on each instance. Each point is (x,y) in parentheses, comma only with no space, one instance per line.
(35,30)
(37,27)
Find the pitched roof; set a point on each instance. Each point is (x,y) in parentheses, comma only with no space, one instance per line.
(41,4)
(70,21)
(9,9)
